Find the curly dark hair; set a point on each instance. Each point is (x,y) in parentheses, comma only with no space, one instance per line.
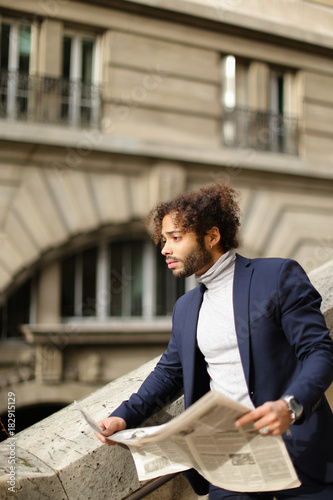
(198,211)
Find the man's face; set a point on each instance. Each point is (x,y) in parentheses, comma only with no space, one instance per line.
(184,254)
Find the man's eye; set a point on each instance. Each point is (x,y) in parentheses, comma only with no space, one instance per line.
(177,238)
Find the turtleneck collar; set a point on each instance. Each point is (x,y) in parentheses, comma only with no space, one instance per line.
(222,268)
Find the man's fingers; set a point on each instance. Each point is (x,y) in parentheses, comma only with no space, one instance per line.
(104,440)
(270,418)
(244,419)
(108,427)
(251,416)
(102,425)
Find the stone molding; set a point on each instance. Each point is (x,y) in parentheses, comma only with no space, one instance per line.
(75,202)
(274,18)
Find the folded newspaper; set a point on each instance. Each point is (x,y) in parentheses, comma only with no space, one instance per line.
(204,437)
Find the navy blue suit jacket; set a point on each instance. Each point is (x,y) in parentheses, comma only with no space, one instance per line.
(285,348)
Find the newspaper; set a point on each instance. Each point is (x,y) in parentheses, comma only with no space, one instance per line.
(204,437)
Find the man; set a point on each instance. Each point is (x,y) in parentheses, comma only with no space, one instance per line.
(252,329)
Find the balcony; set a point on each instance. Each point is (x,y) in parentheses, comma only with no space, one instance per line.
(49,100)
(37,99)
(261,131)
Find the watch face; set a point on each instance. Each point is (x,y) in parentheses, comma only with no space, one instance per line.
(296,407)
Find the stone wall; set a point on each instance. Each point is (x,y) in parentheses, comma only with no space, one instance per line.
(59,458)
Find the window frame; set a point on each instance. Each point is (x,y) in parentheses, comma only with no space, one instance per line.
(76,95)
(273,127)
(13,90)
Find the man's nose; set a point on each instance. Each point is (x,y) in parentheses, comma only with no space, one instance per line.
(166,250)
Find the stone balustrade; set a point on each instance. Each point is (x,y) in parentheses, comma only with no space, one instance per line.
(59,458)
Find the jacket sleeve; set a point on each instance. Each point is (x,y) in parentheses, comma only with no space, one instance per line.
(306,331)
(158,390)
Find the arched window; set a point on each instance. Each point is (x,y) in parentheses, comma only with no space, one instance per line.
(126,278)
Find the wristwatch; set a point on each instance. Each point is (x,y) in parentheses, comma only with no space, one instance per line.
(295,408)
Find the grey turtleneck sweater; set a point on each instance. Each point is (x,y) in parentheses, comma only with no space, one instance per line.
(216,333)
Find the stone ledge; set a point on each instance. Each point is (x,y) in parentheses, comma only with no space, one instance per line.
(53,135)
(314,29)
(43,482)
(155,331)
(59,458)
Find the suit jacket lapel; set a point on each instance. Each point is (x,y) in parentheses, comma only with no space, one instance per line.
(242,280)
(196,381)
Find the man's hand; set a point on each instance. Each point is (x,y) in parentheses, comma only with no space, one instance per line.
(272,418)
(110,425)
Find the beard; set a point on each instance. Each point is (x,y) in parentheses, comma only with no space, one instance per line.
(198,258)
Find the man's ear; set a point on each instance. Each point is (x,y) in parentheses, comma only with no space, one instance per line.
(214,236)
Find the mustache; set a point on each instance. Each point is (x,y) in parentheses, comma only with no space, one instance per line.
(172,259)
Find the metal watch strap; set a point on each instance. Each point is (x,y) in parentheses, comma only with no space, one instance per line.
(289,399)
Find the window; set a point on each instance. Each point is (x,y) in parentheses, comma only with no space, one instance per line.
(282,129)
(78,284)
(229,97)
(73,97)
(119,279)
(15,46)
(80,95)
(15,311)
(168,288)
(258,106)
(126,272)
(68,270)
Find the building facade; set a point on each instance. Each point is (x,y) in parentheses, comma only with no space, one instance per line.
(108,107)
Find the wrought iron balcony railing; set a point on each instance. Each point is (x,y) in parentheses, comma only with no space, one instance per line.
(49,100)
(248,129)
